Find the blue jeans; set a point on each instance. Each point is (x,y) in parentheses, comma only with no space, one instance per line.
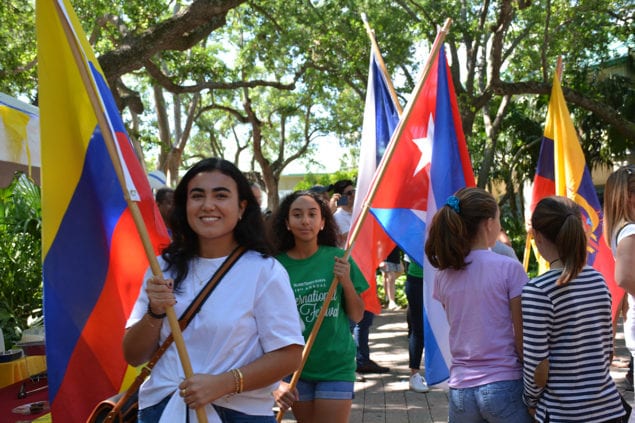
(153,413)
(414,317)
(497,402)
(360,333)
(227,415)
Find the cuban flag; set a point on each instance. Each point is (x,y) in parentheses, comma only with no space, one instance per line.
(562,170)
(93,258)
(428,162)
(381,116)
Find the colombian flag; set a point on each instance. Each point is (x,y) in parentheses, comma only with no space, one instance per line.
(562,171)
(93,259)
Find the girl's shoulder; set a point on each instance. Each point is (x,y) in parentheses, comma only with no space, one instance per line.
(545,279)
(627,229)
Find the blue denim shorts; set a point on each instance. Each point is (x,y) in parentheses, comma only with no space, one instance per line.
(311,390)
(233,416)
(497,402)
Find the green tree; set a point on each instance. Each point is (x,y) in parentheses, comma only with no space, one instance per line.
(20,251)
(272,77)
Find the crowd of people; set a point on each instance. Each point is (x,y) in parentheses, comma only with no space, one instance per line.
(522,350)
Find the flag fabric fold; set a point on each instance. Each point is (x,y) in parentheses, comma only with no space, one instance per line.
(562,170)
(381,117)
(93,258)
(429,162)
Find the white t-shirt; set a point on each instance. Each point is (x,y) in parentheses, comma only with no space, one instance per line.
(627,230)
(344,220)
(629,325)
(251,312)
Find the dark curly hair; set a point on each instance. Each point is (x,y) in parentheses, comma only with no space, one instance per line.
(249,231)
(283,239)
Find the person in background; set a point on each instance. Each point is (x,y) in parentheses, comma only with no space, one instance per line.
(344,196)
(480,293)
(619,233)
(501,248)
(258,193)
(324,191)
(243,339)
(503,245)
(305,234)
(391,268)
(414,317)
(504,238)
(567,327)
(164,197)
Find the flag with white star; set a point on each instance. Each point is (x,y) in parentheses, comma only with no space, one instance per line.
(430,162)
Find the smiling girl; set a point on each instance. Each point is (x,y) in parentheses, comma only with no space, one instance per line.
(245,337)
(305,238)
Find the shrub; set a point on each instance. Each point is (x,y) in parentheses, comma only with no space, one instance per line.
(20,258)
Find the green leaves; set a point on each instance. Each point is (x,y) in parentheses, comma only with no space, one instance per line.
(20,257)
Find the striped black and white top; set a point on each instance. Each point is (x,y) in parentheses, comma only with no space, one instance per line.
(571,326)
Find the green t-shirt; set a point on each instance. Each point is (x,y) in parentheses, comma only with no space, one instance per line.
(332,357)
(415,270)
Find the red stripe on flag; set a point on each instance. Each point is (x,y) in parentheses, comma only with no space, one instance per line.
(94,360)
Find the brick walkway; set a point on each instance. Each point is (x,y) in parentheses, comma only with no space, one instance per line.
(386,398)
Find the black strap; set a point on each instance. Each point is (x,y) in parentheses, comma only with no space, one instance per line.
(184,321)
(196,305)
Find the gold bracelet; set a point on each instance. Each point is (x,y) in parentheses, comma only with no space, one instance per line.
(236,381)
(240,378)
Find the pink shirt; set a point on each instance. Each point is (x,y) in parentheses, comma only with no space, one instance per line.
(476,302)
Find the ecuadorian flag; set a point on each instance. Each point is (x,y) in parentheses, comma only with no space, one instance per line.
(562,170)
(93,258)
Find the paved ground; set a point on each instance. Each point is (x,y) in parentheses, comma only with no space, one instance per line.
(387,399)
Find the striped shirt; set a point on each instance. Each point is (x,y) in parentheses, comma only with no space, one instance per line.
(571,326)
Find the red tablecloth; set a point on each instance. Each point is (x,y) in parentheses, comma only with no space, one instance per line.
(9,400)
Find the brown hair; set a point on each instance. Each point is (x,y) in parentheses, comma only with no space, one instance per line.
(455,225)
(559,220)
(619,186)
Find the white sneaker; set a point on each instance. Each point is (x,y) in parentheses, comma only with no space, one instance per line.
(418,383)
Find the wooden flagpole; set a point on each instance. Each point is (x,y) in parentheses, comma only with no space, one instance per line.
(382,65)
(527,254)
(365,210)
(106,131)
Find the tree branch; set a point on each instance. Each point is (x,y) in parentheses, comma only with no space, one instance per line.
(179,32)
(601,110)
(169,85)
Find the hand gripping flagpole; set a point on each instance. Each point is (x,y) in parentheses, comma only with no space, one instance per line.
(365,209)
(107,133)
